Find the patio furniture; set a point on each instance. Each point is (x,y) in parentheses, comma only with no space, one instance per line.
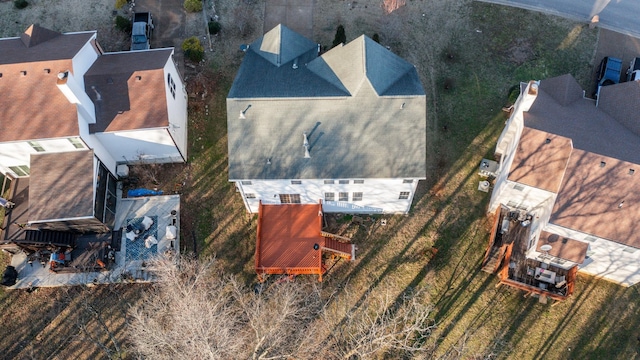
(131,235)
(147,222)
(150,241)
(547,276)
(171,232)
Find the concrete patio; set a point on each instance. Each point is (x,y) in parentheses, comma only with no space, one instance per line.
(126,268)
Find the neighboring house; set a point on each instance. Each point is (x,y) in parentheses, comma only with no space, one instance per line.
(72,113)
(567,190)
(347,127)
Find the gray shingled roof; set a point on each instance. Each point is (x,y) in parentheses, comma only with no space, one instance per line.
(355,130)
(132,90)
(590,128)
(44,46)
(61,185)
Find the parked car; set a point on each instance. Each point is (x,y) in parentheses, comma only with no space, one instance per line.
(608,73)
(633,73)
(141,31)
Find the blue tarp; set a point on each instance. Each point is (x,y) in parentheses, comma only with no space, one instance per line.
(143,192)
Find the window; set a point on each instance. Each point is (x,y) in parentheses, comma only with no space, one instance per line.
(290,198)
(296,182)
(172,85)
(76,143)
(343,181)
(245,182)
(22,170)
(329,182)
(36,146)
(358,181)
(343,196)
(404,195)
(407,181)
(250,195)
(329,196)
(356,196)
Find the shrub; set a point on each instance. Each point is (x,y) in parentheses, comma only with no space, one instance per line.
(193,50)
(123,24)
(20,4)
(340,37)
(121,3)
(193,5)
(214,27)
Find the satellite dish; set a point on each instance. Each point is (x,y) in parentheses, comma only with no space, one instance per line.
(546,247)
(316,246)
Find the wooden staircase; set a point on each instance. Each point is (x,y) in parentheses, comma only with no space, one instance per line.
(48,237)
(494,259)
(342,249)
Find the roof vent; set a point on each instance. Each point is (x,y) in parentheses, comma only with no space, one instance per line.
(402,106)
(602,163)
(631,171)
(63,75)
(268,161)
(305,143)
(547,141)
(110,80)
(98,96)
(621,204)
(243,112)
(138,78)
(47,71)
(23,72)
(295,64)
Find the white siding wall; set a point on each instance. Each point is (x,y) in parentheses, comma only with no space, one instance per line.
(19,153)
(378,195)
(176,107)
(607,259)
(140,145)
(507,144)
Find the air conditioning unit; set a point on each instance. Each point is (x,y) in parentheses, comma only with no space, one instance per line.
(122,170)
(488,168)
(484,186)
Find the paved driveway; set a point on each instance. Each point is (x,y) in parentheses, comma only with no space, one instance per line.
(169,18)
(616,15)
(297,15)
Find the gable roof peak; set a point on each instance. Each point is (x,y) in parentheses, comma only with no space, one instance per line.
(36,34)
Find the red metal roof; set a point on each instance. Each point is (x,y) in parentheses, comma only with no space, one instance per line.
(287,234)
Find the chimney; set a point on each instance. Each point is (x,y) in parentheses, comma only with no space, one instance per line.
(76,95)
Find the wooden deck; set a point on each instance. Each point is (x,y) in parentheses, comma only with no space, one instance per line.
(515,269)
(290,241)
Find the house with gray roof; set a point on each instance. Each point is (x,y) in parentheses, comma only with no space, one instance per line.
(346,127)
(73,114)
(568,182)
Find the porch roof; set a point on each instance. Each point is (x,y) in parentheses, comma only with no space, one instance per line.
(61,185)
(563,248)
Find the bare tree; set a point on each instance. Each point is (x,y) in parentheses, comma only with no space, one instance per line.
(188,314)
(196,312)
(279,319)
(382,324)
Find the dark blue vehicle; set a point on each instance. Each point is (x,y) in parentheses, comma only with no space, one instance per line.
(609,72)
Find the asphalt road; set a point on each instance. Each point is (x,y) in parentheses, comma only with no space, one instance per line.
(617,15)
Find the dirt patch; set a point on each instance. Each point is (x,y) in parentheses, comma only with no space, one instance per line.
(520,51)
